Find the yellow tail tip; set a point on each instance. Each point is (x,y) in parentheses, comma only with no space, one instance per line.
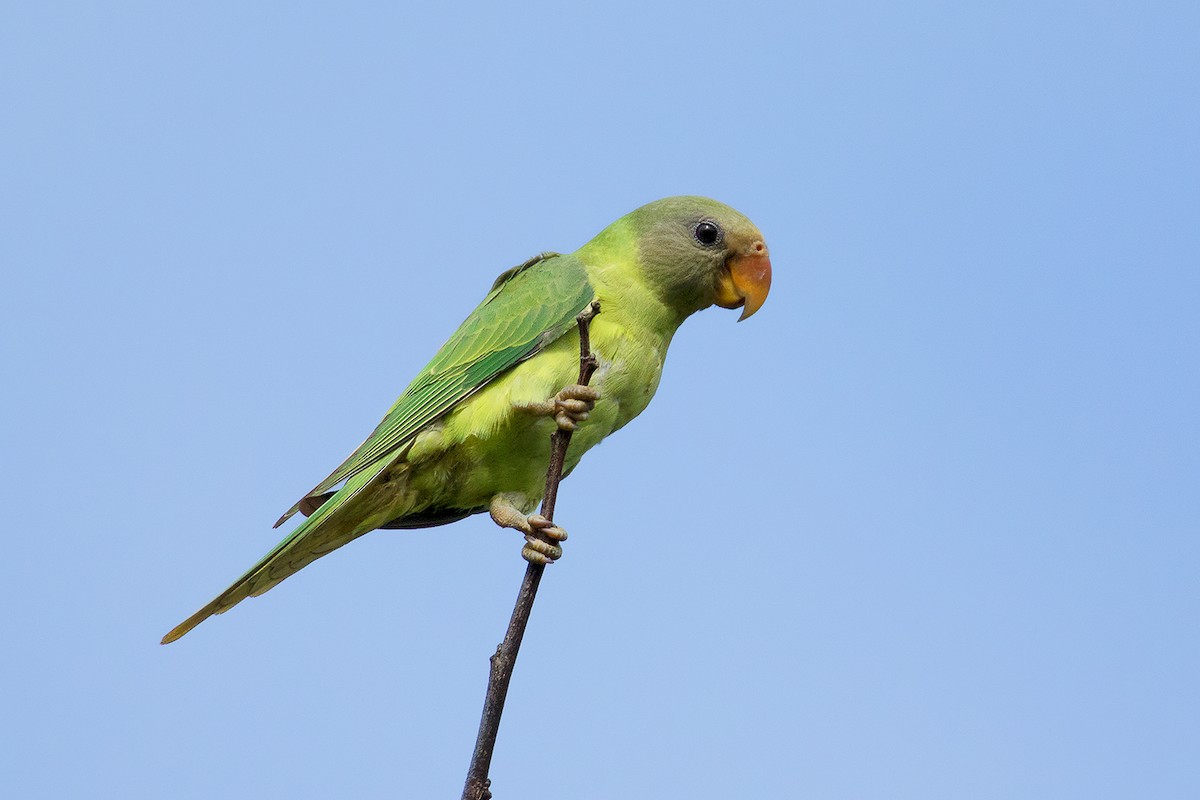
(179,630)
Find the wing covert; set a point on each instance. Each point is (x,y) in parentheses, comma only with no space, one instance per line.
(528,307)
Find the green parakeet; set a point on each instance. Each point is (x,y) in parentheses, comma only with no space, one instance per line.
(471,433)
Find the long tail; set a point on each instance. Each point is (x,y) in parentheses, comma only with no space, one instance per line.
(323,532)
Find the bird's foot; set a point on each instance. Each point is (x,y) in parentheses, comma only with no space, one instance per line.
(569,407)
(537,529)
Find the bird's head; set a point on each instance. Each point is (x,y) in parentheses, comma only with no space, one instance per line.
(696,252)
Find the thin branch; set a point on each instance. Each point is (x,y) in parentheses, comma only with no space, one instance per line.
(505,656)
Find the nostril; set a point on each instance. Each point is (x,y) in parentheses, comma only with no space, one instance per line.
(759,247)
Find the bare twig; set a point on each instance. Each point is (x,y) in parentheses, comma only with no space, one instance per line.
(505,656)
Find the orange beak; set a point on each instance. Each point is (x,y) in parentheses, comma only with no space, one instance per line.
(746,280)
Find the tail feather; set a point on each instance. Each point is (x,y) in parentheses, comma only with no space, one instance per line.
(297,552)
(320,534)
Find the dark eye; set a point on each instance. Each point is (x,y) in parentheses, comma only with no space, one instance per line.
(708,233)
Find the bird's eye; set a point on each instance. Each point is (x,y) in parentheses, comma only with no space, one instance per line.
(708,233)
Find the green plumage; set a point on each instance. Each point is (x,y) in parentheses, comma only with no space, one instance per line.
(458,436)
(528,306)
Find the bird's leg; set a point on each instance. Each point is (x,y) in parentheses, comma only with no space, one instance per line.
(506,512)
(568,408)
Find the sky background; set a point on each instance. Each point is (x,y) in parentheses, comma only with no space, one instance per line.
(925,527)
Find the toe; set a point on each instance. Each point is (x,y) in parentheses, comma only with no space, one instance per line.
(575,406)
(534,557)
(547,528)
(548,551)
(578,391)
(554,532)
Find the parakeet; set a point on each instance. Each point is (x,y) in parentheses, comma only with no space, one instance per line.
(471,433)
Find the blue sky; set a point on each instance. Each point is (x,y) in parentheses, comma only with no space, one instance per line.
(925,527)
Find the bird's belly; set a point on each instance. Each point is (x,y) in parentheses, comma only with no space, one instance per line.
(489,445)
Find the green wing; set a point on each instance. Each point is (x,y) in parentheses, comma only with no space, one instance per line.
(528,307)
